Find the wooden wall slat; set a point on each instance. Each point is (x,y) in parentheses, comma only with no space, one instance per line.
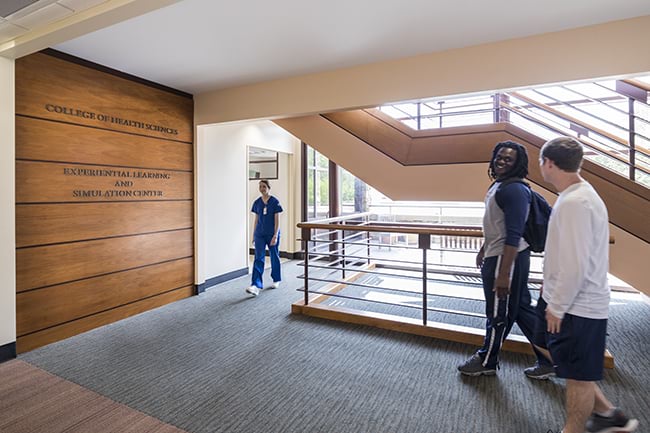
(97,239)
(65,330)
(44,140)
(42,79)
(40,182)
(43,308)
(38,224)
(55,264)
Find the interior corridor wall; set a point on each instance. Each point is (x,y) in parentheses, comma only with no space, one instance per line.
(7,213)
(222,208)
(224,195)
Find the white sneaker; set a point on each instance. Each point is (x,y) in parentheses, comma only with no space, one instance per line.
(253,290)
(275,285)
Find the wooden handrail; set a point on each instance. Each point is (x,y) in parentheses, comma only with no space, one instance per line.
(639,84)
(433,230)
(406,228)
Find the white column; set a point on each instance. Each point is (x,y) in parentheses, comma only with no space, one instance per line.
(7,204)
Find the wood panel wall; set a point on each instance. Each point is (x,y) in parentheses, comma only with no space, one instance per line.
(104,200)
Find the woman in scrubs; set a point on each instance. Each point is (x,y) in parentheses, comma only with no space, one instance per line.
(267,211)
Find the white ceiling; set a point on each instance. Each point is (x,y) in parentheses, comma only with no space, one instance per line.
(202,45)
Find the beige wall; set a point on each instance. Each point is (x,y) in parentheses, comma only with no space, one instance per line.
(612,49)
(7,205)
(398,182)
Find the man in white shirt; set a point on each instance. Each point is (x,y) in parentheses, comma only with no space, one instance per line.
(574,305)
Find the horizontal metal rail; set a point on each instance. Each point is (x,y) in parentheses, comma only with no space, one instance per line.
(438,310)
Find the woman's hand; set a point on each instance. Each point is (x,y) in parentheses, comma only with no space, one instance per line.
(274,240)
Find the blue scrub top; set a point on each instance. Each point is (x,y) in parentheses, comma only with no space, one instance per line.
(266,216)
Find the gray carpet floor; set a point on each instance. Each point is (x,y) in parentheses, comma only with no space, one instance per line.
(225,362)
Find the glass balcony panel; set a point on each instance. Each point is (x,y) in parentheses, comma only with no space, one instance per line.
(617,131)
(393,112)
(557,93)
(409,108)
(595,91)
(429,123)
(426,110)
(411,123)
(468,119)
(642,144)
(535,96)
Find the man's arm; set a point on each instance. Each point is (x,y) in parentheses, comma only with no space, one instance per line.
(572,253)
(515,200)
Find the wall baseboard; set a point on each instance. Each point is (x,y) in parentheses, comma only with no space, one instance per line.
(298,255)
(200,288)
(7,352)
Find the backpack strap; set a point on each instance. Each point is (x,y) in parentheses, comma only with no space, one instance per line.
(505,183)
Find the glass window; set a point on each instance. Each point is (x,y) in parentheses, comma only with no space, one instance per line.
(317,173)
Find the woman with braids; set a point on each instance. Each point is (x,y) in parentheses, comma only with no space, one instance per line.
(267,211)
(504,260)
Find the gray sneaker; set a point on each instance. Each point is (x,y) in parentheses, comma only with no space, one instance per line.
(618,422)
(474,367)
(540,372)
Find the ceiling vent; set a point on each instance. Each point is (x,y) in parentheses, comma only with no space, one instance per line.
(10,7)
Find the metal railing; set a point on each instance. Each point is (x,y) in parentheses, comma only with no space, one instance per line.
(611,118)
(356,258)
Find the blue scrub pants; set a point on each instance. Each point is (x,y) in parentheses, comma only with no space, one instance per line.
(261,243)
(503,313)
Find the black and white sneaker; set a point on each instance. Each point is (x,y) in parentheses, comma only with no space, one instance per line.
(540,372)
(474,367)
(618,422)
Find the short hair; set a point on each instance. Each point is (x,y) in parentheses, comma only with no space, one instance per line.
(265,182)
(565,152)
(520,169)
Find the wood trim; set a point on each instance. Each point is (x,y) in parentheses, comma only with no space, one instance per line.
(431,230)
(54,305)
(66,330)
(55,264)
(439,330)
(640,84)
(45,224)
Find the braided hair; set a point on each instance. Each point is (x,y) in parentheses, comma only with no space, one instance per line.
(520,169)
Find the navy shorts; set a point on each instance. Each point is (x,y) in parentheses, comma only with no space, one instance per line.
(578,350)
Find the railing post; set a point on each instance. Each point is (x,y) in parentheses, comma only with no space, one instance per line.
(343,254)
(632,156)
(306,237)
(424,243)
(368,240)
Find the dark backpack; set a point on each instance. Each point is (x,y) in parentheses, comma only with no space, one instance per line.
(538,216)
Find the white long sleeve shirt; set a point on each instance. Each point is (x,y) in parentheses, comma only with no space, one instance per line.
(576,258)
